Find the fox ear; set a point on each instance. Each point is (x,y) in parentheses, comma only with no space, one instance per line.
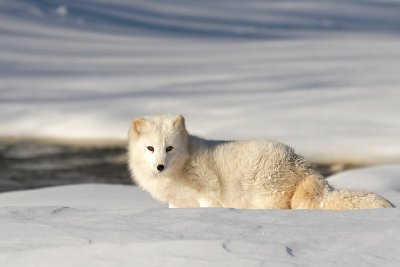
(179,121)
(137,126)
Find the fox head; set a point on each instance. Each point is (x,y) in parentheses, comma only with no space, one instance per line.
(158,144)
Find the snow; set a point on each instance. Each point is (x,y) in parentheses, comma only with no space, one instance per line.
(384,179)
(319,75)
(119,225)
(380,178)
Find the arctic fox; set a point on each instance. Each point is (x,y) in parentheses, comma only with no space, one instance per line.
(187,171)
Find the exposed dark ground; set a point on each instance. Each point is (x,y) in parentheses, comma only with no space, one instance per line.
(27,164)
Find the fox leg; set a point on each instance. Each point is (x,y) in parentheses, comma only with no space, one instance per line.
(208,203)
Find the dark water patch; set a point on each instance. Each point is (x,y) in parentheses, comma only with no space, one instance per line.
(29,164)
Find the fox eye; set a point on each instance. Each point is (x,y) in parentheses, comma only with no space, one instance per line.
(168,149)
(150,148)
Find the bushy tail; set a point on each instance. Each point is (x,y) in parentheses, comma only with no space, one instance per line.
(349,200)
(314,192)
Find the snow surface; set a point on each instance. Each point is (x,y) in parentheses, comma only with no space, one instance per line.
(117,225)
(322,76)
(379,178)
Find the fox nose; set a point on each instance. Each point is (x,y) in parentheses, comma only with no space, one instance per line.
(160,167)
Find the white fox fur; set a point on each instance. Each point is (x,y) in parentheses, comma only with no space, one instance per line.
(260,174)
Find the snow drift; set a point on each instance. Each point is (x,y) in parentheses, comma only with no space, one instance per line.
(119,225)
(319,75)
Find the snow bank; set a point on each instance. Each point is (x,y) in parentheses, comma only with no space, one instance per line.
(319,75)
(107,225)
(90,196)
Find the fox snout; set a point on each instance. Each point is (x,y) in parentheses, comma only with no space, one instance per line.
(160,163)
(160,167)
